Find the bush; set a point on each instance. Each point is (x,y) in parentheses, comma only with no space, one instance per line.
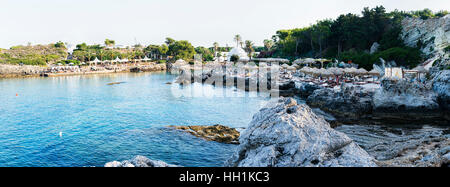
(234,58)
(447,49)
(406,56)
(162,61)
(403,56)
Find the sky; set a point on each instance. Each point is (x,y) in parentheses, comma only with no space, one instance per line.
(202,22)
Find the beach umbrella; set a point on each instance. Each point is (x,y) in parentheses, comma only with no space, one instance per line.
(325,73)
(285,66)
(291,68)
(351,70)
(362,71)
(309,61)
(336,71)
(374,72)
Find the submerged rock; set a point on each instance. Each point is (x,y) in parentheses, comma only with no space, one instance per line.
(286,134)
(218,133)
(139,161)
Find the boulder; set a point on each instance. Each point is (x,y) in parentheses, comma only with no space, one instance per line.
(287,134)
(218,133)
(139,161)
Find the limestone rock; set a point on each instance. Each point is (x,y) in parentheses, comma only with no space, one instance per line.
(139,161)
(218,133)
(433,34)
(287,134)
(441,85)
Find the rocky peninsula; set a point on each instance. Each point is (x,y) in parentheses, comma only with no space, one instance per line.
(217,133)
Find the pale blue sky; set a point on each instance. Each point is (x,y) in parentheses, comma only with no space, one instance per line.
(150,21)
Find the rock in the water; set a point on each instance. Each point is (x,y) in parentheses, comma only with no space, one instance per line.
(286,134)
(218,133)
(139,161)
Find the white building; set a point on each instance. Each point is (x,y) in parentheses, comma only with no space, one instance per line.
(239,52)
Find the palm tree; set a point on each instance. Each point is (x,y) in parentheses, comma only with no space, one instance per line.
(216,47)
(238,39)
(268,44)
(249,48)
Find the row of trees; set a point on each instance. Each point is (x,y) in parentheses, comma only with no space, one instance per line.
(171,49)
(350,37)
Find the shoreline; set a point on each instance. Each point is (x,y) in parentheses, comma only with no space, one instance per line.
(22,71)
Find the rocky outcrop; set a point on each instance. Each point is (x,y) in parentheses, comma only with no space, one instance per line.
(403,101)
(349,105)
(7,70)
(441,85)
(397,102)
(433,35)
(306,89)
(287,134)
(218,133)
(139,161)
(434,152)
(147,68)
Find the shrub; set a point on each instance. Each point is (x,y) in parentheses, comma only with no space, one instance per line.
(234,58)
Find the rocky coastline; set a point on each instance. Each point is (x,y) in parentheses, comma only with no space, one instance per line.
(12,71)
(217,133)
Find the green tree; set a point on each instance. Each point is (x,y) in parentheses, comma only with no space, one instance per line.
(109,42)
(182,49)
(249,48)
(237,39)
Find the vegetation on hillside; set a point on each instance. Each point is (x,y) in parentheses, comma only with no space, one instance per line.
(34,55)
(350,37)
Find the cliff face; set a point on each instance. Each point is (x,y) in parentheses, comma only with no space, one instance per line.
(433,34)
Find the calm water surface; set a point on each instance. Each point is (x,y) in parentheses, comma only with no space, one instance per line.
(101,123)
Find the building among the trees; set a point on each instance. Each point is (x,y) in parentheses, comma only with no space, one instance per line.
(239,52)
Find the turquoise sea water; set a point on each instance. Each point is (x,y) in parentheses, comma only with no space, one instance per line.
(101,123)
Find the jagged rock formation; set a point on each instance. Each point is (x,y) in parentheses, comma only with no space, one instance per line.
(441,85)
(286,134)
(139,161)
(431,35)
(305,89)
(218,133)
